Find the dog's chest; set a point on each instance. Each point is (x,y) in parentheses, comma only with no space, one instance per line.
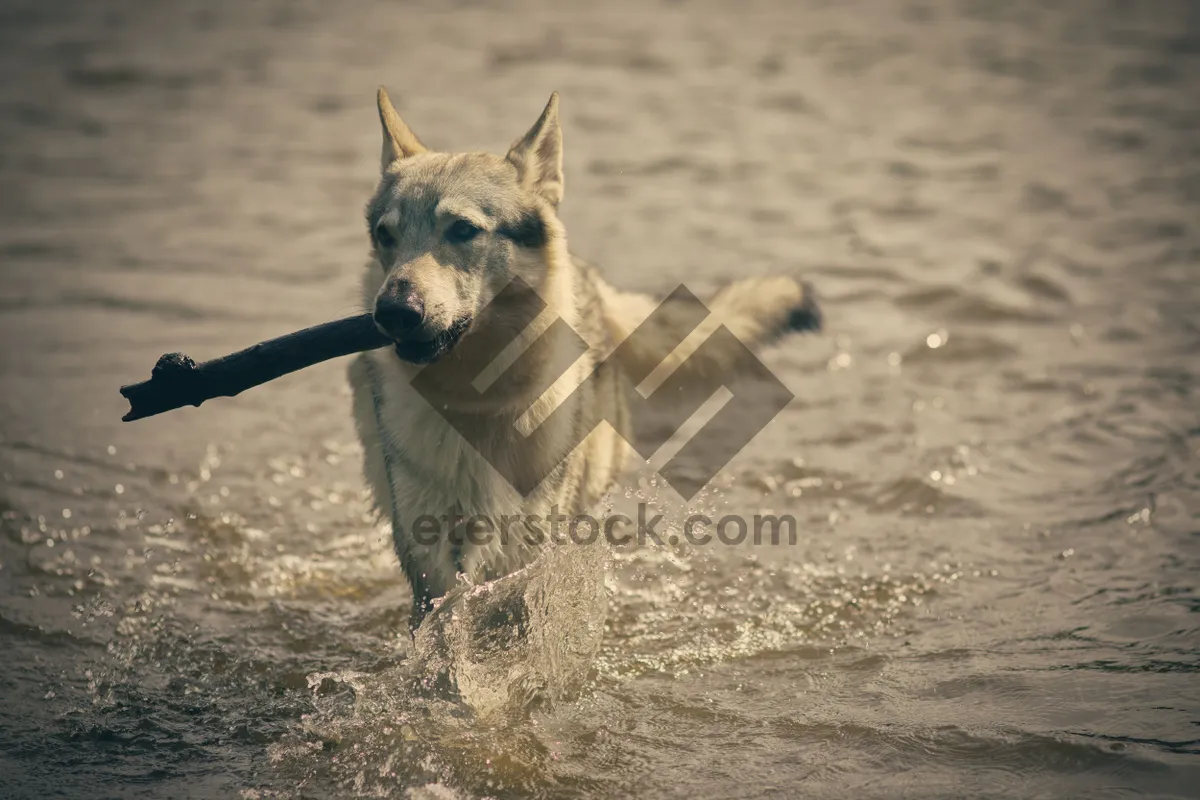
(432,468)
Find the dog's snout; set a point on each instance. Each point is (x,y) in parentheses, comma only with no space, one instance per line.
(399,311)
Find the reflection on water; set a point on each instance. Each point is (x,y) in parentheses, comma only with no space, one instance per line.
(991,457)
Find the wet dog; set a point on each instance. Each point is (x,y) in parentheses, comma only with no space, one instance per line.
(469,266)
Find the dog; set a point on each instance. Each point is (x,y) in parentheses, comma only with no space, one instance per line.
(451,234)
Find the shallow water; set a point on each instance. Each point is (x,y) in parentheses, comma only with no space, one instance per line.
(992,453)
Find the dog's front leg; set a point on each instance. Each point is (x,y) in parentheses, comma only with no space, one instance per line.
(380,473)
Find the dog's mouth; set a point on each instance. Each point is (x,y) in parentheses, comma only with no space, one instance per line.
(430,350)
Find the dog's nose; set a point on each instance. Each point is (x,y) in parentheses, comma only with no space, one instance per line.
(399,312)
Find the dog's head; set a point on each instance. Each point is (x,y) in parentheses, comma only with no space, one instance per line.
(449,231)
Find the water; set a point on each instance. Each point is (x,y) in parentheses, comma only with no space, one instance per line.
(992,454)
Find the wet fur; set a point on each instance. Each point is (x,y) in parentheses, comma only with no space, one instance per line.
(415,462)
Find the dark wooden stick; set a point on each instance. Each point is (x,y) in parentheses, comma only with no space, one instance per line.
(177,381)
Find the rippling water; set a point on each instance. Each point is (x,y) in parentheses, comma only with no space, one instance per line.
(992,454)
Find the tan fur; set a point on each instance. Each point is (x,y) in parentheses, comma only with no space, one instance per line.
(753,309)
(416,461)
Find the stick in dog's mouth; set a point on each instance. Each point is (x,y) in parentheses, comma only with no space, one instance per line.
(178,381)
(425,352)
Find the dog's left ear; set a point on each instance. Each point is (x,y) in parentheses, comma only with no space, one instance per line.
(538,155)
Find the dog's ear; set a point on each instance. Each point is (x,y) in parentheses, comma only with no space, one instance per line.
(538,155)
(398,139)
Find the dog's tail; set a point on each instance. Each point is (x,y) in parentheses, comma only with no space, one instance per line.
(654,335)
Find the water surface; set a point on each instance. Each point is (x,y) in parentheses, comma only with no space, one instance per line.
(992,453)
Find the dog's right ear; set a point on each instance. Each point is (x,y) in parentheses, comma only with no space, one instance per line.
(538,155)
(398,139)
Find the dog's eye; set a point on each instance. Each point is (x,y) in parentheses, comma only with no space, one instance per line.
(383,238)
(461,231)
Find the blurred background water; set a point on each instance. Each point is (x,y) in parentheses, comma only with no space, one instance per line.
(992,453)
